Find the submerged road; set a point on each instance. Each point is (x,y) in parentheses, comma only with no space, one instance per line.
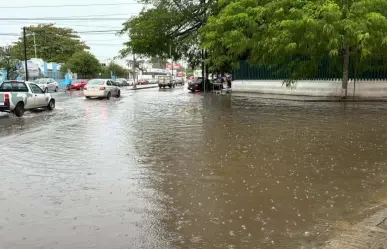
(171,169)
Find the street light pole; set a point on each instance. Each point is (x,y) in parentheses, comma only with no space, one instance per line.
(25,52)
(170,55)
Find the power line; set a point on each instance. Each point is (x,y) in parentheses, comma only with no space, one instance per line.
(66,25)
(85,16)
(106,45)
(66,5)
(96,31)
(77,18)
(62,19)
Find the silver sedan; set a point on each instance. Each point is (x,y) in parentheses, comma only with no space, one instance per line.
(101,88)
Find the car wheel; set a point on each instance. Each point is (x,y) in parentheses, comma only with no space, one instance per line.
(87,97)
(51,105)
(56,89)
(108,96)
(118,94)
(19,109)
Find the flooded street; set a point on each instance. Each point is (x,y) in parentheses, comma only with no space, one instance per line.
(170,169)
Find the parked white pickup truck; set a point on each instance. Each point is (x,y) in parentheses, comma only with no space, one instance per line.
(18,96)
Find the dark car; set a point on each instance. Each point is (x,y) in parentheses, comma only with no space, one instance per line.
(198,85)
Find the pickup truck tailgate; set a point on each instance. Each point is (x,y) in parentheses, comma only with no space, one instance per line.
(4,100)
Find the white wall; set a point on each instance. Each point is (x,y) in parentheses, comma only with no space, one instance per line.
(363,88)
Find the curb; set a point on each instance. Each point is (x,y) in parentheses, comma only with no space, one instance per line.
(299,98)
(148,87)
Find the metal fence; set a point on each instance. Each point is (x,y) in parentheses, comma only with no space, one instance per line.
(372,68)
(57,76)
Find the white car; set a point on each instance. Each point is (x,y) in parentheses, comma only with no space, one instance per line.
(101,88)
(47,84)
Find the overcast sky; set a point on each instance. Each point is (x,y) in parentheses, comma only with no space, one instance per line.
(103,46)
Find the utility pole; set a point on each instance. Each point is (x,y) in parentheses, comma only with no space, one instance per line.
(35,45)
(203,69)
(170,55)
(25,52)
(134,70)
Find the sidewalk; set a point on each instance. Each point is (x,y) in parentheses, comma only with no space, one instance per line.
(301,98)
(371,233)
(140,87)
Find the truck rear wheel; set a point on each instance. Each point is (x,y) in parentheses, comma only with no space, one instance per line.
(51,105)
(19,109)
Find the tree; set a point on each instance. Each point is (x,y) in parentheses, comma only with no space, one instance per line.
(306,31)
(170,27)
(53,44)
(158,62)
(117,70)
(8,63)
(84,63)
(139,64)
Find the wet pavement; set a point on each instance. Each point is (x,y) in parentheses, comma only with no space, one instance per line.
(170,169)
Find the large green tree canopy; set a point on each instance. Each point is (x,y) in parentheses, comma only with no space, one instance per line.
(272,31)
(7,62)
(53,44)
(169,26)
(116,69)
(84,63)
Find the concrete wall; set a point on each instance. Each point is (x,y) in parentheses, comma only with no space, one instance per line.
(363,88)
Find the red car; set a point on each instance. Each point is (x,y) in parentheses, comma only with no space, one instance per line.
(142,82)
(77,84)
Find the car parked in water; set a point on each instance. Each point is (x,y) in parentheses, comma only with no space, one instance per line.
(77,85)
(130,82)
(179,81)
(142,82)
(196,84)
(101,88)
(122,82)
(47,84)
(19,96)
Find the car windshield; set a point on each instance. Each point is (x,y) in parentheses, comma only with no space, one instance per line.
(16,86)
(96,82)
(199,80)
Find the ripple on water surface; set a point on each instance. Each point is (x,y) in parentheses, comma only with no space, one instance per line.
(169,169)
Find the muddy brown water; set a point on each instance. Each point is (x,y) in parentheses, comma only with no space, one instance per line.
(171,169)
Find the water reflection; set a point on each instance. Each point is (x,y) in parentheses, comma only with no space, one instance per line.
(248,173)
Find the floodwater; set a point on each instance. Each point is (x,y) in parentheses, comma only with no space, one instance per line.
(170,169)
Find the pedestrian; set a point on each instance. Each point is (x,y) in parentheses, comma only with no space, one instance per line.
(229,82)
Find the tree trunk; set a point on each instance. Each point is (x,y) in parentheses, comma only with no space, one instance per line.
(344,85)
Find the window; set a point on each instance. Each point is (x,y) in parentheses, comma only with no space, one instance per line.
(108,83)
(36,89)
(16,86)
